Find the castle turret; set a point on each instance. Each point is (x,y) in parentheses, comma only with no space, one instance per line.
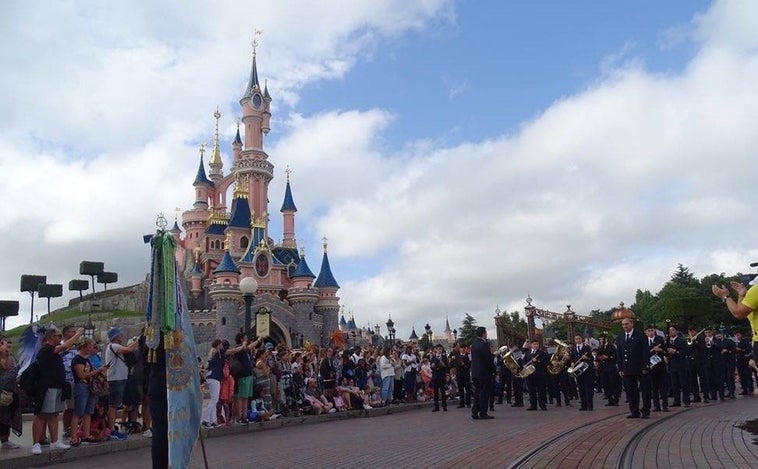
(239,219)
(227,297)
(196,277)
(328,302)
(288,214)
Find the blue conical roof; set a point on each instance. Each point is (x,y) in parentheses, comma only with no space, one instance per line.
(325,278)
(240,217)
(226,265)
(200,177)
(413,335)
(175,228)
(196,270)
(253,83)
(342,321)
(237,139)
(351,324)
(289,203)
(302,269)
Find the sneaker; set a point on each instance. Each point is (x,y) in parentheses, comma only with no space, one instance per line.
(45,442)
(366,406)
(36,448)
(59,445)
(275,416)
(118,436)
(9,445)
(205,424)
(332,410)
(147,434)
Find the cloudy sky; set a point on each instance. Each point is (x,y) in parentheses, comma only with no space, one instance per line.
(458,155)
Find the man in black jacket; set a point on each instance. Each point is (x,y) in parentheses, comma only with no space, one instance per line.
(482,371)
(634,366)
(537,381)
(660,393)
(460,360)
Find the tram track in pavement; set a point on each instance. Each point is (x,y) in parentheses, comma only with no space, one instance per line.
(627,455)
(596,444)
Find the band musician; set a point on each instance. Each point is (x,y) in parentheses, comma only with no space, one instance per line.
(582,353)
(658,382)
(607,371)
(537,381)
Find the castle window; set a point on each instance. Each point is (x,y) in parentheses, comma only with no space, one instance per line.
(244,242)
(223,321)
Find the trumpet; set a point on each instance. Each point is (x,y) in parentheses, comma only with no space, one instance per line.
(691,340)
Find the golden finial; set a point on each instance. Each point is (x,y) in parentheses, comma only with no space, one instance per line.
(197,251)
(324,242)
(202,149)
(228,241)
(176,216)
(256,33)
(288,171)
(302,251)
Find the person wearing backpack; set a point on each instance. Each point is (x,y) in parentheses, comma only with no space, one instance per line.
(118,373)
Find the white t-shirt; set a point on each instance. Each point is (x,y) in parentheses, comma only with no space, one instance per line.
(410,362)
(118,370)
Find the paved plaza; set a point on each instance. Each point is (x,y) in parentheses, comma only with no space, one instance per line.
(702,436)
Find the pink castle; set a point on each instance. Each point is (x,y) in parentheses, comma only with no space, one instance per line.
(225,241)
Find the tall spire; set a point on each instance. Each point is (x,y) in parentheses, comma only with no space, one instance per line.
(325,277)
(237,139)
(253,84)
(289,202)
(200,177)
(215,161)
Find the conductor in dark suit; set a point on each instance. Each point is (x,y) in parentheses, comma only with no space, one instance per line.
(482,372)
(634,366)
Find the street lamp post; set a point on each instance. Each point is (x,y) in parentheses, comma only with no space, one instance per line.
(428,330)
(248,287)
(390,330)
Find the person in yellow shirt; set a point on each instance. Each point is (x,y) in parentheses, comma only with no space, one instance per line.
(746,307)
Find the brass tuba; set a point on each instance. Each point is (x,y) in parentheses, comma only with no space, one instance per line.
(559,358)
(509,360)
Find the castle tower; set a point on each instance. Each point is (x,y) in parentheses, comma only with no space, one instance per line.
(227,297)
(448,332)
(194,221)
(303,298)
(240,219)
(288,214)
(328,301)
(253,160)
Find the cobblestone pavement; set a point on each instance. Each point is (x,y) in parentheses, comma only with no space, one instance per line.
(701,436)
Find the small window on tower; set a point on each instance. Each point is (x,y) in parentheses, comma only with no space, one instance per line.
(244,242)
(223,321)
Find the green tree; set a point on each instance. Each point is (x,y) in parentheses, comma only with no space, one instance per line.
(467,331)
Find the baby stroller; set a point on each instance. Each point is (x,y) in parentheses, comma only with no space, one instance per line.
(295,403)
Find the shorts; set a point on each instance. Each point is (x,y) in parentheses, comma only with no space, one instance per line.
(116,393)
(51,402)
(84,401)
(245,387)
